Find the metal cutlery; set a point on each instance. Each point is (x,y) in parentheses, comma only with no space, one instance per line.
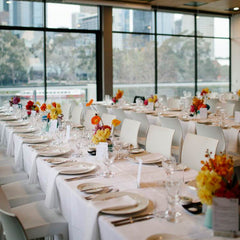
(80,177)
(131,220)
(107,190)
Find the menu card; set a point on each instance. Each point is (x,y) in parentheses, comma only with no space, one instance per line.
(68,129)
(53,126)
(203,113)
(225,216)
(237,117)
(101,151)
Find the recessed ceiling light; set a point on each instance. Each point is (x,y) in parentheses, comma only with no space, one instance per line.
(8,2)
(235,8)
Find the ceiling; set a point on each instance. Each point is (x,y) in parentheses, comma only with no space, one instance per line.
(214,6)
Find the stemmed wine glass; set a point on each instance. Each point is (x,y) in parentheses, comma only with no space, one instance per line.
(108,161)
(117,145)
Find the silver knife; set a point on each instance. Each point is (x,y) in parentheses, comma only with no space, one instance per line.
(133,221)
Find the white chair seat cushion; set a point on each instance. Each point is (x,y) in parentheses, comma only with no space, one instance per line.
(21,192)
(39,221)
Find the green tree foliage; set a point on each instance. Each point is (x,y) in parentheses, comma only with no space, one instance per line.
(13,59)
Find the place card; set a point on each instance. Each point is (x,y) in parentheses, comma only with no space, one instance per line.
(139,172)
(53,126)
(68,129)
(203,113)
(225,216)
(237,117)
(101,151)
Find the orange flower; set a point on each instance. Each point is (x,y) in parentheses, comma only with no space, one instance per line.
(49,116)
(43,107)
(54,104)
(119,94)
(89,103)
(115,122)
(95,120)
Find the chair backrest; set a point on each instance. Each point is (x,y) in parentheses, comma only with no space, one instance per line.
(173,102)
(129,132)
(12,227)
(87,119)
(142,118)
(66,108)
(237,105)
(194,150)
(101,109)
(228,107)
(136,97)
(163,99)
(212,132)
(120,115)
(159,140)
(175,124)
(213,103)
(107,118)
(76,114)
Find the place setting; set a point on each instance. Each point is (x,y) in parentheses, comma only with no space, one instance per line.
(36,139)
(146,157)
(53,151)
(24,129)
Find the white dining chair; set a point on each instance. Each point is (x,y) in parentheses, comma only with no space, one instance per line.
(87,119)
(215,132)
(129,132)
(213,103)
(143,130)
(101,109)
(107,118)
(22,192)
(120,115)
(76,114)
(66,110)
(31,221)
(173,102)
(194,150)
(236,105)
(228,108)
(159,140)
(163,99)
(175,124)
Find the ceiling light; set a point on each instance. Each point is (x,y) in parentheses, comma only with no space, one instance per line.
(235,8)
(194,4)
(8,2)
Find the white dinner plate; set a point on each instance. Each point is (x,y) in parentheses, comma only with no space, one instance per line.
(78,168)
(10,118)
(149,158)
(31,140)
(57,160)
(17,124)
(142,202)
(174,109)
(25,130)
(136,151)
(164,236)
(54,151)
(92,187)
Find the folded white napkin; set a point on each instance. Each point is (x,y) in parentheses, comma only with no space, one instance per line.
(151,157)
(92,232)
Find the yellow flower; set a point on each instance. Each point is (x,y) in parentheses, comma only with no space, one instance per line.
(238,92)
(38,103)
(150,100)
(205,196)
(49,106)
(58,105)
(59,111)
(101,136)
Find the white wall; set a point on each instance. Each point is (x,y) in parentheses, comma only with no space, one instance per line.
(235,31)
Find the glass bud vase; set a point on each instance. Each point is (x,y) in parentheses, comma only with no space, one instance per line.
(208,217)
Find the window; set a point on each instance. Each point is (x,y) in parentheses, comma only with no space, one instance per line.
(68,36)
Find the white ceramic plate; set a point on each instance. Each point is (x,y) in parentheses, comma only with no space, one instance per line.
(36,140)
(10,118)
(25,130)
(164,236)
(142,202)
(91,187)
(78,168)
(17,124)
(53,152)
(56,161)
(150,158)
(136,150)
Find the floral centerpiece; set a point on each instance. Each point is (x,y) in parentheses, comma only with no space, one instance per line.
(197,104)
(118,96)
(152,99)
(31,106)
(238,93)
(217,179)
(205,91)
(55,111)
(14,100)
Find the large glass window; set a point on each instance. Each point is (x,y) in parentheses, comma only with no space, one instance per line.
(213,53)
(70,54)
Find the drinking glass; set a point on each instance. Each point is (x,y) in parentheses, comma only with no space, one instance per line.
(117,145)
(108,161)
(169,165)
(173,185)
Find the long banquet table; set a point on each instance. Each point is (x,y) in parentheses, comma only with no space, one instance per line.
(75,208)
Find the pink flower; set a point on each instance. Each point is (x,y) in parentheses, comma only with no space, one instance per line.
(145,102)
(192,108)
